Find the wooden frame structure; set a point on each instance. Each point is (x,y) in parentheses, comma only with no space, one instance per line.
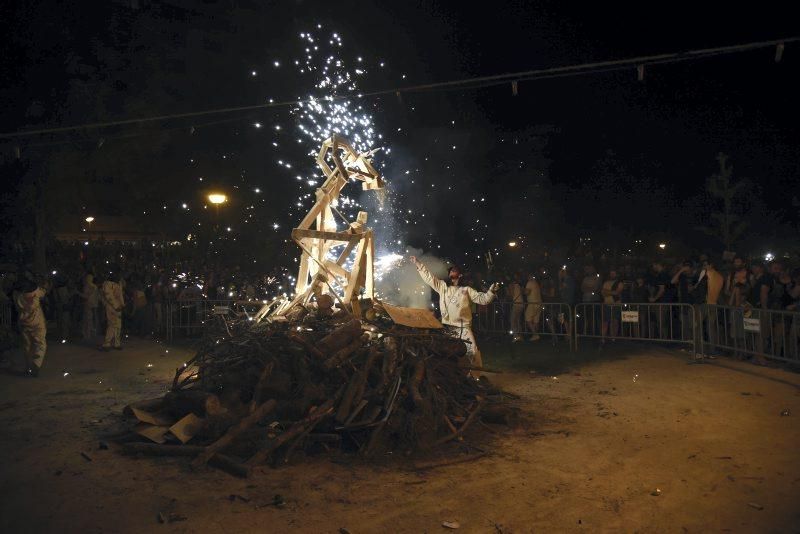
(340,163)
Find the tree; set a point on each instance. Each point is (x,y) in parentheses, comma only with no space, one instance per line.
(727,224)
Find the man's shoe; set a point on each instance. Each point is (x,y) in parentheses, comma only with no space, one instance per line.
(118,348)
(103,349)
(33,371)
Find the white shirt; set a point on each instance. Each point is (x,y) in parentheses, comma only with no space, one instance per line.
(30,308)
(455,301)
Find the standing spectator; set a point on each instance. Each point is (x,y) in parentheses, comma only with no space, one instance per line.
(138,307)
(533,310)
(157,292)
(32,324)
(612,296)
(112,296)
(568,294)
(515,295)
(681,281)
(759,300)
(738,289)
(590,294)
(640,292)
(662,295)
(780,299)
(708,312)
(63,296)
(730,284)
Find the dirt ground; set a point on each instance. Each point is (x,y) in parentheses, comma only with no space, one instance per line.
(632,439)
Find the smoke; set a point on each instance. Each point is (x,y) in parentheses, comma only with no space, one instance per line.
(400,283)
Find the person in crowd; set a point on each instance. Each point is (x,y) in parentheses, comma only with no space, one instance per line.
(760,290)
(32,324)
(516,297)
(138,303)
(737,288)
(568,294)
(708,309)
(590,294)
(111,294)
(64,292)
(737,266)
(455,303)
(157,297)
(662,294)
(90,298)
(612,296)
(533,308)
(779,299)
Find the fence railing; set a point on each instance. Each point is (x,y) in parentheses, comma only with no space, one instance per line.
(5,313)
(655,322)
(773,334)
(521,320)
(758,332)
(190,318)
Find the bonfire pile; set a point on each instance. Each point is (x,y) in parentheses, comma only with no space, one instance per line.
(319,381)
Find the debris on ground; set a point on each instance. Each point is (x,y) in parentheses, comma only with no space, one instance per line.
(317,381)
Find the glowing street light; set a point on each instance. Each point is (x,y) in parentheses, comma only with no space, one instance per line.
(662,246)
(217,198)
(512,244)
(89,219)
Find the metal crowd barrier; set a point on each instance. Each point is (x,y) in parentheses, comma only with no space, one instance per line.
(508,318)
(6,313)
(656,322)
(773,334)
(190,318)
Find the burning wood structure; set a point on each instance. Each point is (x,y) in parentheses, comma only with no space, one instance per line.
(340,163)
(308,375)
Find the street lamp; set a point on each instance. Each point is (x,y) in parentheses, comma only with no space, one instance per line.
(512,244)
(662,246)
(89,219)
(217,198)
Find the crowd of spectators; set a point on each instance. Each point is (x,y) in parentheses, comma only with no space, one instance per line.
(73,303)
(739,288)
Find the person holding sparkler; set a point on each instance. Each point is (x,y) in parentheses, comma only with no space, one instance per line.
(455,303)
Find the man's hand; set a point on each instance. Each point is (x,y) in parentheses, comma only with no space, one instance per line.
(414,260)
(494,287)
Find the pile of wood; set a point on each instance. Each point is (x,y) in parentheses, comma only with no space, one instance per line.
(316,381)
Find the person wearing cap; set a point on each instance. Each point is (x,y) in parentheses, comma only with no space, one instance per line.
(114,302)
(32,324)
(455,304)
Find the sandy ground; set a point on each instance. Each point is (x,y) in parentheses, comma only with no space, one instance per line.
(607,430)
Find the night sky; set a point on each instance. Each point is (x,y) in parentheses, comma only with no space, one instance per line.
(599,154)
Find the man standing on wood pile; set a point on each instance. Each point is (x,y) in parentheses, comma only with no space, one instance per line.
(455,303)
(114,302)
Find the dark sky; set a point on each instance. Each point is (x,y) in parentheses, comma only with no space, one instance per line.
(661,134)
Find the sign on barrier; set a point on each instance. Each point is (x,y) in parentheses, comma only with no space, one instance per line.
(752,325)
(630,316)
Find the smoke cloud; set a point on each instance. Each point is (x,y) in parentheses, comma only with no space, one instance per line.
(401,284)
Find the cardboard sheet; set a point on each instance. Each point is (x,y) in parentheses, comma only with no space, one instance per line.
(154,433)
(158,419)
(413,317)
(186,428)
